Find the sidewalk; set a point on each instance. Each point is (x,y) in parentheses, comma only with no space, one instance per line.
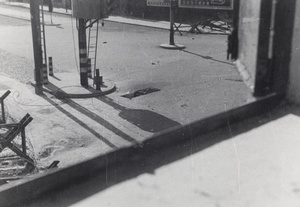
(148,23)
(125,20)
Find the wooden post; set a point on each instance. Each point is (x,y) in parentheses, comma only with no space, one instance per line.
(98,80)
(3,113)
(37,47)
(2,105)
(23,141)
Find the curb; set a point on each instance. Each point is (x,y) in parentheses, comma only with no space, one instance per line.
(118,21)
(68,14)
(60,94)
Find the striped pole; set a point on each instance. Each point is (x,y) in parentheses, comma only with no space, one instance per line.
(89,68)
(50,67)
(45,74)
(82,53)
(37,47)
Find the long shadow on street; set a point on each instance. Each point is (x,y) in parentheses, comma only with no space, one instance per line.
(77,120)
(207,57)
(144,119)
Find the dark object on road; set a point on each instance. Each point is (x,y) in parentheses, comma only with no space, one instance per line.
(140,92)
(53,165)
(98,80)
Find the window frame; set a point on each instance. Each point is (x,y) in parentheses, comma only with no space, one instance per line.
(271,74)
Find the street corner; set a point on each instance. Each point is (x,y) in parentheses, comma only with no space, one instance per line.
(67,85)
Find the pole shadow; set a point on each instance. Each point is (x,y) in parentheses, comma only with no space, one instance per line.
(78,121)
(55,77)
(207,57)
(92,116)
(144,119)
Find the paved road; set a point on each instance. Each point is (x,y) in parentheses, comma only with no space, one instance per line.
(193,83)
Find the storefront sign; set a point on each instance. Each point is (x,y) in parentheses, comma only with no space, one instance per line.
(206,4)
(161,3)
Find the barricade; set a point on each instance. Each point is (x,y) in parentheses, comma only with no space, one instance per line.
(2,106)
(13,131)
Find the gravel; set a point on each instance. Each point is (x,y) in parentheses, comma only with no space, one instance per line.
(16,67)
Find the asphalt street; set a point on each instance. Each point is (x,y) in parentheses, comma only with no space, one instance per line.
(195,82)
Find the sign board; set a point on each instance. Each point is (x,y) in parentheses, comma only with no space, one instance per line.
(206,4)
(161,3)
(89,9)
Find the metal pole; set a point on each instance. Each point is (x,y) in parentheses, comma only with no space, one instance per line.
(37,47)
(89,68)
(172,8)
(82,52)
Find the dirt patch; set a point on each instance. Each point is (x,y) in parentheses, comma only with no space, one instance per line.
(63,145)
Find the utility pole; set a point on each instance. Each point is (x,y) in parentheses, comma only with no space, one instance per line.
(37,46)
(83,53)
(172,44)
(172,10)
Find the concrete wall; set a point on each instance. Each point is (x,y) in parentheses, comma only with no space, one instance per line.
(294,76)
(248,35)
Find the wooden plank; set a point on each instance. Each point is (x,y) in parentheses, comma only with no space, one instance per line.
(23,136)
(3,113)
(17,151)
(12,134)
(8,125)
(5,95)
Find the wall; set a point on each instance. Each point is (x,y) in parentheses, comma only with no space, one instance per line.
(294,76)
(248,33)
(56,3)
